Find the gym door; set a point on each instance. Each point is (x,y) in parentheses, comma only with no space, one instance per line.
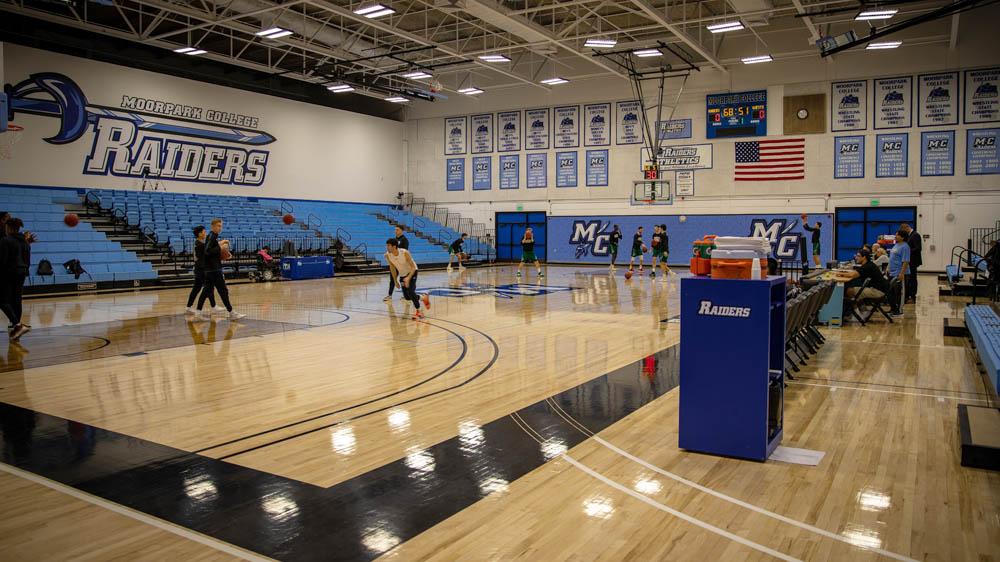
(510,230)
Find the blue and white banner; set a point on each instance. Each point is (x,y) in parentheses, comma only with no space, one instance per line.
(456,135)
(628,122)
(508,131)
(849,106)
(891,155)
(482,133)
(538,170)
(584,239)
(893,105)
(597,168)
(566,173)
(937,153)
(937,99)
(982,152)
(509,172)
(981,102)
(536,124)
(849,157)
(482,176)
(597,117)
(567,126)
(673,129)
(456,174)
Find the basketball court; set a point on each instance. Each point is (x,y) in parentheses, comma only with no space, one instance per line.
(529,414)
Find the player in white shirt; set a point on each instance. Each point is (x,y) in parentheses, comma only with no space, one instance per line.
(404,274)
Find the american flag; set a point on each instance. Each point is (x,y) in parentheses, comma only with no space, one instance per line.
(769,160)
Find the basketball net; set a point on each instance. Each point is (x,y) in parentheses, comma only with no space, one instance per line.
(8,140)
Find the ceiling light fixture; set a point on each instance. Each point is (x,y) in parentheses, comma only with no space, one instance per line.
(725,26)
(340,88)
(757,59)
(554,81)
(397,99)
(883,45)
(274,33)
(600,43)
(494,58)
(877,14)
(470,91)
(184,50)
(374,11)
(647,53)
(416,75)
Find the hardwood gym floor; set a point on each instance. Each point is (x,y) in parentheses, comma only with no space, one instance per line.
(521,421)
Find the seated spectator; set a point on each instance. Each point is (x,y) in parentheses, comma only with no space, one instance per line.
(865,270)
(899,266)
(265,254)
(881,258)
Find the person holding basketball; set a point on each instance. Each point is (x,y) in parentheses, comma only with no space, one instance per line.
(199,270)
(638,248)
(528,252)
(613,240)
(404,244)
(404,273)
(661,249)
(456,251)
(215,252)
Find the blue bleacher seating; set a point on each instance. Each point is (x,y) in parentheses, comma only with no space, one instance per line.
(42,212)
(984,327)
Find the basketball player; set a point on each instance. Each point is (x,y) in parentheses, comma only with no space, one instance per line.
(528,252)
(200,234)
(404,244)
(15,257)
(613,239)
(654,245)
(455,250)
(404,272)
(637,249)
(214,279)
(661,250)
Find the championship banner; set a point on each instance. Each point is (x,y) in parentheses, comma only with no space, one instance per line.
(982,152)
(598,124)
(566,175)
(891,155)
(482,133)
(456,135)
(893,102)
(536,123)
(937,99)
(981,104)
(849,106)
(937,153)
(567,126)
(849,157)
(508,131)
(597,168)
(509,173)
(456,174)
(482,176)
(538,172)
(673,129)
(628,122)
(681,157)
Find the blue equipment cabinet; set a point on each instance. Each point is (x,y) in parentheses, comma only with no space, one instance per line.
(306,267)
(732,366)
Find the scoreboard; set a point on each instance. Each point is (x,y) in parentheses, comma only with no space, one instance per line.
(738,114)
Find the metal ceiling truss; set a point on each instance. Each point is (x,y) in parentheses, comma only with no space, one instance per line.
(543,38)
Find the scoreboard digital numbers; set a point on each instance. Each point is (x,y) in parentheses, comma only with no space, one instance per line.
(737,114)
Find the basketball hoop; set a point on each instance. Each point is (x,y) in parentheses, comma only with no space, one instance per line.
(9,139)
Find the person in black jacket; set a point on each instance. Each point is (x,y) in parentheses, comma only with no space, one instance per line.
(15,255)
(214,279)
(915,243)
(403,244)
(199,269)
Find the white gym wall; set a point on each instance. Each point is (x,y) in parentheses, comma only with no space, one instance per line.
(971,200)
(320,153)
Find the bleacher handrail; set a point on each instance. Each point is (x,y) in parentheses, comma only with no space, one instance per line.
(309,221)
(342,234)
(960,252)
(286,207)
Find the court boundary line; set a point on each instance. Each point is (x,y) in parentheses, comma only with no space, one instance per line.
(839,381)
(883,391)
(119,509)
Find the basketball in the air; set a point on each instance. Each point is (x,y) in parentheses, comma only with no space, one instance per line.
(628,275)
(288,219)
(71,220)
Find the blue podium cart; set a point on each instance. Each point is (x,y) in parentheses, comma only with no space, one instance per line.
(732,366)
(306,267)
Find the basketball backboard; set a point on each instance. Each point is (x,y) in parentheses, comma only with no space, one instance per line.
(651,192)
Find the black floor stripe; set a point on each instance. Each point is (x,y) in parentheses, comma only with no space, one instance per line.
(359,519)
